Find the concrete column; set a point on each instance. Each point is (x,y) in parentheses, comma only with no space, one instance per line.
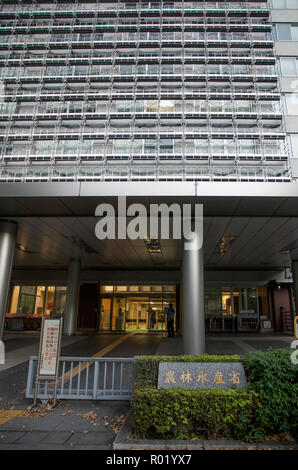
(8,234)
(193,314)
(72,298)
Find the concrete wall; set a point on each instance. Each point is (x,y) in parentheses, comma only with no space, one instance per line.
(284,16)
(286,48)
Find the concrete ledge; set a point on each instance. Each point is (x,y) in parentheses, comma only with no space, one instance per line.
(123,442)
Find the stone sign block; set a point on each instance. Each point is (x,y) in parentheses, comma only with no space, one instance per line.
(201,375)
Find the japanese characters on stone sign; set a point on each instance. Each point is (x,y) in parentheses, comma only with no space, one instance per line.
(201,375)
(49,347)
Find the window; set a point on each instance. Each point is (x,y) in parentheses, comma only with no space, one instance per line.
(289,4)
(67,147)
(166,146)
(292,103)
(37,300)
(288,66)
(283,32)
(294,31)
(294,141)
(39,303)
(249,300)
(279,3)
(287,32)
(14,299)
(27,300)
(247,146)
(212,300)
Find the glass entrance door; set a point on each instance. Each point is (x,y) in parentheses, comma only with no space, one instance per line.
(226,301)
(156,315)
(130,308)
(118,313)
(136,315)
(105,316)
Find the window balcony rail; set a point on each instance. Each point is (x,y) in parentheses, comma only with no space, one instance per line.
(88,35)
(45,134)
(255,57)
(145,114)
(224,76)
(261,155)
(198,174)
(92,8)
(124,9)
(91,96)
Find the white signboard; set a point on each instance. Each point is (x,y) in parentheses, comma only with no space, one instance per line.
(50,344)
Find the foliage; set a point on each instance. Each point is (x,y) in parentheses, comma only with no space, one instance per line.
(185,414)
(274,378)
(268,406)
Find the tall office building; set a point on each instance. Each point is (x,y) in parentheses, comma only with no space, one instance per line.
(169,101)
(140,91)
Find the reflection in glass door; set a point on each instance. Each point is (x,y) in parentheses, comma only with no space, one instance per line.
(118,314)
(136,315)
(105,317)
(226,300)
(156,315)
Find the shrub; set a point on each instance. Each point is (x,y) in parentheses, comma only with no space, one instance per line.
(274,378)
(268,406)
(184,414)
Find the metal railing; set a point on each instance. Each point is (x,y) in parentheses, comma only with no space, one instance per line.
(86,378)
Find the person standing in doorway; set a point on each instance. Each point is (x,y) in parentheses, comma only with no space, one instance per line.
(151,315)
(170,320)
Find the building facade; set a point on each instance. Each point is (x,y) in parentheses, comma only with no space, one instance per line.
(166,101)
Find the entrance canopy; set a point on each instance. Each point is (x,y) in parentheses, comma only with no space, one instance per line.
(250,229)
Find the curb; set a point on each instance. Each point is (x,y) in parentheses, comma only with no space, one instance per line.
(123,442)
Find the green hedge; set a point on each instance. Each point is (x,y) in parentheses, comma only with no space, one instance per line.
(185,414)
(274,378)
(268,405)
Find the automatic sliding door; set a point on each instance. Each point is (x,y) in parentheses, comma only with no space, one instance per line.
(105,316)
(118,314)
(136,317)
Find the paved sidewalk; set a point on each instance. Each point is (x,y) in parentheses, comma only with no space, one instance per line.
(237,343)
(94,424)
(72,425)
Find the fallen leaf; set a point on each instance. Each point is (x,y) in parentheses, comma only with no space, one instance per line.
(67,413)
(90,415)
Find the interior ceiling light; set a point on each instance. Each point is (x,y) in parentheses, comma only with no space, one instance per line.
(25,249)
(153,246)
(224,244)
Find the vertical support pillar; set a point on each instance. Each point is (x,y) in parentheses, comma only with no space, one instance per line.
(8,234)
(72,298)
(193,313)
